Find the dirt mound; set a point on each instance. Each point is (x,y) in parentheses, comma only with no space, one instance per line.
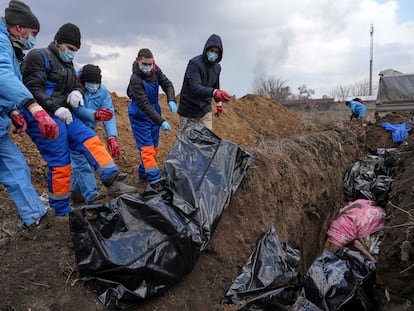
(294,182)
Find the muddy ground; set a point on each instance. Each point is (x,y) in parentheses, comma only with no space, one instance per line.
(294,182)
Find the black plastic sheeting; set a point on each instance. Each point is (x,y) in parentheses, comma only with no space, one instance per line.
(138,245)
(343,281)
(371,176)
(269,279)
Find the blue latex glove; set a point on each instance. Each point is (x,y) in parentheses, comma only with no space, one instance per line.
(165,126)
(173,106)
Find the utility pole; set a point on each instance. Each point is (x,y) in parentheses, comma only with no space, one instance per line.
(371,32)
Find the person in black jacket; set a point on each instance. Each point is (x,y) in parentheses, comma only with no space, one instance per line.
(50,76)
(202,83)
(144,112)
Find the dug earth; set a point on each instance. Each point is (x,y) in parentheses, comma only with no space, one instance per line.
(295,182)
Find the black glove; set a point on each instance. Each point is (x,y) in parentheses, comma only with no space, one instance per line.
(354,115)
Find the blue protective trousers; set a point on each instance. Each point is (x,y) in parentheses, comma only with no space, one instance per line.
(83,178)
(15,176)
(147,134)
(75,136)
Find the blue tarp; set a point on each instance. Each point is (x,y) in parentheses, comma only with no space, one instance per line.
(399,131)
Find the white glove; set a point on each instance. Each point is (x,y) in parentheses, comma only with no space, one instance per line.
(64,114)
(75,99)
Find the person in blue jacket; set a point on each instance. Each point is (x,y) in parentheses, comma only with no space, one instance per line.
(144,112)
(49,74)
(202,83)
(358,109)
(97,107)
(18,30)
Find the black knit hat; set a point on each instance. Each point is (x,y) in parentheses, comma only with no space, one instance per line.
(69,33)
(19,13)
(91,73)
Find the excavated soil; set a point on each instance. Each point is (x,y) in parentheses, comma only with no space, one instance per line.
(295,183)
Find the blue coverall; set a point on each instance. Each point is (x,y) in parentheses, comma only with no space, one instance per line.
(145,116)
(83,178)
(146,133)
(14,171)
(358,109)
(76,135)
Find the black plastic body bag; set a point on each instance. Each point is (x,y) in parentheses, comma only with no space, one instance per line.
(138,245)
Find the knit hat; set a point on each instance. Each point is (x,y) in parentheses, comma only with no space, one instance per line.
(69,33)
(91,73)
(19,13)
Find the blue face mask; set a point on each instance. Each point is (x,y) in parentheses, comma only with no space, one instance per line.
(67,56)
(211,56)
(145,69)
(29,42)
(92,87)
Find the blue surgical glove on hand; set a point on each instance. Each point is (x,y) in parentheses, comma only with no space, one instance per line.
(165,126)
(173,106)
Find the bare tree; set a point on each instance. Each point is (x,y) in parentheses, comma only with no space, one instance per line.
(273,88)
(341,92)
(360,88)
(304,92)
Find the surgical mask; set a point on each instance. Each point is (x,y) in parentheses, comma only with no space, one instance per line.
(211,56)
(145,69)
(67,56)
(29,42)
(92,87)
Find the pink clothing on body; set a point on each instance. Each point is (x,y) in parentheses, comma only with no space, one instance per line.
(355,220)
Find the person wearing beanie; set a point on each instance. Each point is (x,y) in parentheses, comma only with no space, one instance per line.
(49,74)
(90,74)
(97,107)
(70,34)
(144,113)
(19,13)
(22,25)
(18,29)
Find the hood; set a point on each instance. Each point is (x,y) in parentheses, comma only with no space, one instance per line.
(214,40)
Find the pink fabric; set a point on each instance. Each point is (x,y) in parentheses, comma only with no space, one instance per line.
(355,220)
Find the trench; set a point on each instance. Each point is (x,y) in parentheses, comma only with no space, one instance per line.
(294,183)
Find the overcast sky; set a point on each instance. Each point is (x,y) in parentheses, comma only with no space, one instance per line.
(320,43)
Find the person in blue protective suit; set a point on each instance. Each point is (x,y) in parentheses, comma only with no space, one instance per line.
(49,74)
(144,111)
(18,30)
(97,107)
(202,83)
(358,109)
